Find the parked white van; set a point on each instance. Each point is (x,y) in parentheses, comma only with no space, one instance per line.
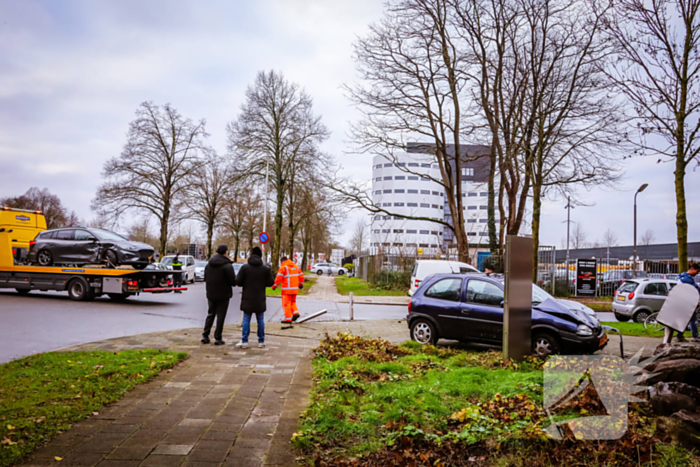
(428,267)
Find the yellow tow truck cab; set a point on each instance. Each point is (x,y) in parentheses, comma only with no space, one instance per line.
(25,225)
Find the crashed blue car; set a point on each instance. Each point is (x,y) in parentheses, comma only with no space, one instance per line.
(469,308)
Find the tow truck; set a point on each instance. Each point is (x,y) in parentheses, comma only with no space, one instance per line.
(82,283)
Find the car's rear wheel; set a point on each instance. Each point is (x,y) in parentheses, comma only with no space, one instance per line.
(641,316)
(139,266)
(44,258)
(423,332)
(23,291)
(319,272)
(544,345)
(79,290)
(340,272)
(621,318)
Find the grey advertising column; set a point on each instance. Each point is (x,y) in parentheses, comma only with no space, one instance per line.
(517,306)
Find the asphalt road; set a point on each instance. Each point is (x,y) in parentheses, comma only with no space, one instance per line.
(45,321)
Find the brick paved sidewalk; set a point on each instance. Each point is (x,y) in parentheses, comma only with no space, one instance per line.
(326,290)
(222,406)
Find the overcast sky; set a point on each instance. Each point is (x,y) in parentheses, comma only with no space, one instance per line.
(72,74)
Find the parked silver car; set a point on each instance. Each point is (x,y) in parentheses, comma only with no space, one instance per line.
(636,299)
(328,268)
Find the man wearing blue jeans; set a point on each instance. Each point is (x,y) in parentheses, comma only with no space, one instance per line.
(689,278)
(254,277)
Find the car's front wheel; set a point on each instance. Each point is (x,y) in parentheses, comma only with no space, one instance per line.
(139,266)
(44,258)
(544,345)
(111,257)
(621,318)
(423,332)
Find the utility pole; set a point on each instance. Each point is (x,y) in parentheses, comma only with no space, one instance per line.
(568,226)
(634,260)
(267,184)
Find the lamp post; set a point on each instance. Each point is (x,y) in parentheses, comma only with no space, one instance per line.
(634,260)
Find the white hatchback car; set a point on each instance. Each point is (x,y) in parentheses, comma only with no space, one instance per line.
(428,267)
(189,270)
(328,268)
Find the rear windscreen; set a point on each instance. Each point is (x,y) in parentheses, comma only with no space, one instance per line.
(628,287)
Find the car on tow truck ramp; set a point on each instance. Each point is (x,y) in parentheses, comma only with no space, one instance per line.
(81,283)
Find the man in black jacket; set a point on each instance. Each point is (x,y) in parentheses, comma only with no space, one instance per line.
(220,277)
(254,277)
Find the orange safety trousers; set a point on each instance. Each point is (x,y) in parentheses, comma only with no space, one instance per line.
(289,303)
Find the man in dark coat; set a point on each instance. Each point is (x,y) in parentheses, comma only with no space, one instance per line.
(219,277)
(254,277)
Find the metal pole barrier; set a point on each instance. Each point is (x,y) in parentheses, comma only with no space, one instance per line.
(352,311)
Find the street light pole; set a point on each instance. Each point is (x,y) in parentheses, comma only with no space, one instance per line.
(568,226)
(267,184)
(634,260)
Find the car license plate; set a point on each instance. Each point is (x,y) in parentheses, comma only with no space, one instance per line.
(621,298)
(603,339)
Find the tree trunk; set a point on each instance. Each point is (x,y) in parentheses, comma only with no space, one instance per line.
(210,234)
(491,208)
(278,225)
(536,210)
(681,217)
(164,232)
(238,244)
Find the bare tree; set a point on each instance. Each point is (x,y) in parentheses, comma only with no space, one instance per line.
(208,188)
(359,237)
(578,237)
(49,204)
(541,91)
(610,238)
(162,151)
(412,87)
(658,44)
(648,237)
(277,128)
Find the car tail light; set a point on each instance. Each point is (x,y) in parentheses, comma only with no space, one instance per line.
(630,296)
(133,283)
(14,252)
(32,243)
(409,306)
(417,283)
(170,283)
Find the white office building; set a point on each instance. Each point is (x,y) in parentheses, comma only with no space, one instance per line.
(405,186)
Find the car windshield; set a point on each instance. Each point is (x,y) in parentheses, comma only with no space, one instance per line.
(539,295)
(107,235)
(168,260)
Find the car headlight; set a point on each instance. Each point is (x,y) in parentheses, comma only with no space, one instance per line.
(584,330)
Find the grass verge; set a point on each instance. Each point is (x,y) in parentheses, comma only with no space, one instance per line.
(633,329)
(377,404)
(361,288)
(44,394)
(309,281)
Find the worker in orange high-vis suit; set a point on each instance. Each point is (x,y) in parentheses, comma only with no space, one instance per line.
(291,280)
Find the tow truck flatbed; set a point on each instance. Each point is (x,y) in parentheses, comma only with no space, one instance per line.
(81,283)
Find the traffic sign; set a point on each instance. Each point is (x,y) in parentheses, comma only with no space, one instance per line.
(264,238)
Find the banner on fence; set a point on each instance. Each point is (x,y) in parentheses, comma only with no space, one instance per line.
(586,277)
